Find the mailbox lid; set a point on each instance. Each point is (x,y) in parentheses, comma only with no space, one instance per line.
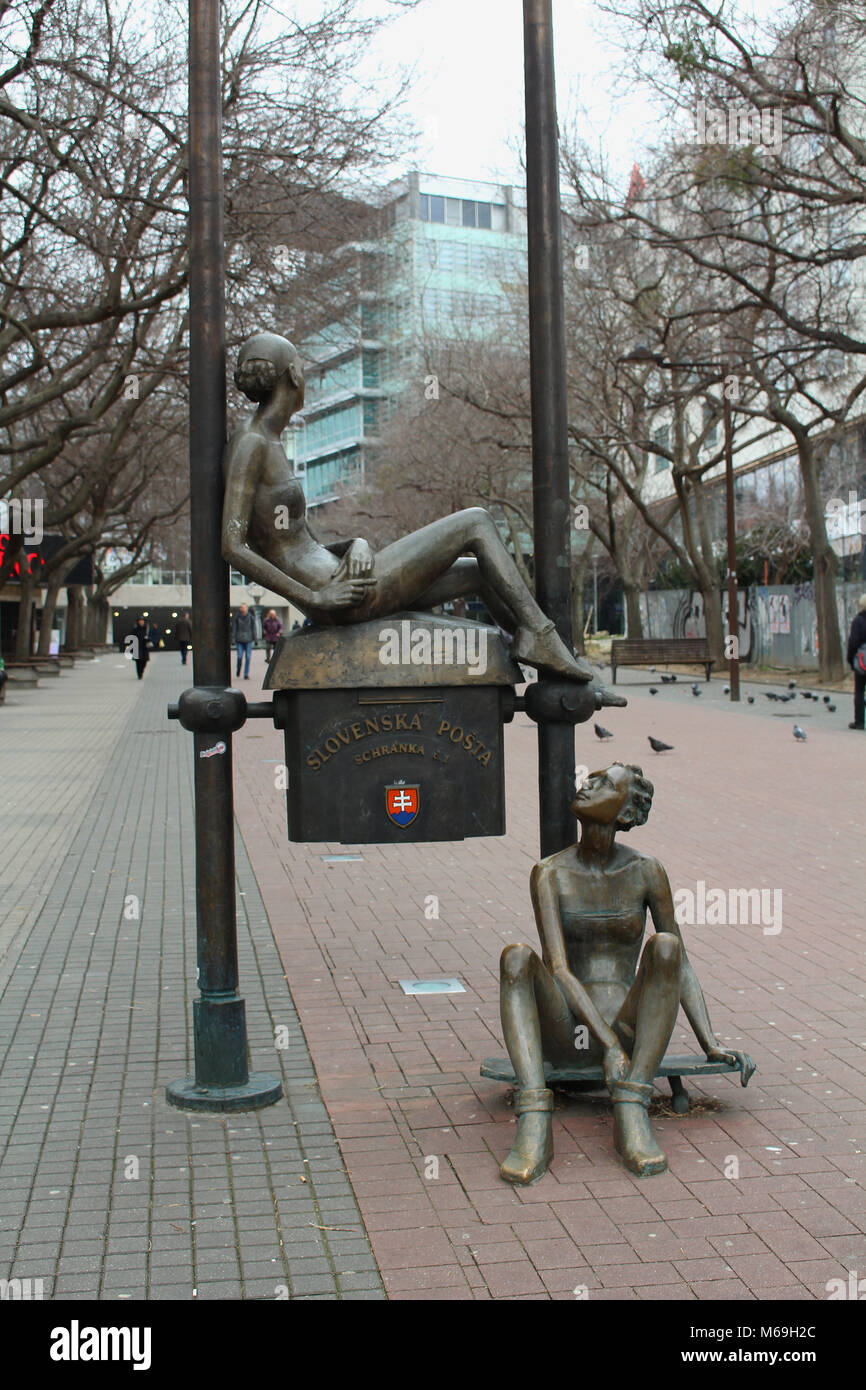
(408,765)
(408,649)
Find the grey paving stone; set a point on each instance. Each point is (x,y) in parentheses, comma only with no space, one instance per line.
(97,1010)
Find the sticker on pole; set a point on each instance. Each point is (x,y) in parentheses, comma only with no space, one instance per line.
(213,752)
(402,803)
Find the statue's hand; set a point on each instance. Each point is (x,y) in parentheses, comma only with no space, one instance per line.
(741,1060)
(343,593)
(616,1063)
(359,558)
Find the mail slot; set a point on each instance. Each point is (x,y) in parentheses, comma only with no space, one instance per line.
(391,763)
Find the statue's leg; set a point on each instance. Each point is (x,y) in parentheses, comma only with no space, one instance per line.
(535,1020)
(462,580)
(405,570)
(648,1015)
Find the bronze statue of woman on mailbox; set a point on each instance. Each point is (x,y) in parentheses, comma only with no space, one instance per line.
(347,582)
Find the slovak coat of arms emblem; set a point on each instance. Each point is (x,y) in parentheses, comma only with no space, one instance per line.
(402,803)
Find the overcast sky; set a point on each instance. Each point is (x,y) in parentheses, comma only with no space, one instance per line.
(468,99)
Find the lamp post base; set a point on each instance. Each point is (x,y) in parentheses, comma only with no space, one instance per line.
(261,1089)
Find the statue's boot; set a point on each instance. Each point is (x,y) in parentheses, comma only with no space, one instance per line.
(546,649)
(635,1142)
(532,1150)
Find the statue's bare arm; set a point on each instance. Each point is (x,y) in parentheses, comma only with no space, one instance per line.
(243,474)
(244,468)
(661,905)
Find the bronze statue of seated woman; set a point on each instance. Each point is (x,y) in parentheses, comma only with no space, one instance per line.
(592,984)
(266,535)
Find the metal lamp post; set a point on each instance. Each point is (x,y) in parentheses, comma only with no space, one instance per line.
(643,354)
(212,711)
(550,481)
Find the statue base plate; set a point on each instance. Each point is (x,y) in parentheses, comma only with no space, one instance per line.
(592,1077)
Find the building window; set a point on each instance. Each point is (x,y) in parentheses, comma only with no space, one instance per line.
(663,440)
(371,320)
(371,369)
(484,218)
(431,207)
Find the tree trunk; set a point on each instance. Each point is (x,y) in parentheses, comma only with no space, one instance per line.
(96,619)
(23,635)
(633,617)
(578,600)
(74,617)
(47,619)
(711,595)
(825,565)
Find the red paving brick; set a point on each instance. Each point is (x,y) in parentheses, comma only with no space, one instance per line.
(738,804)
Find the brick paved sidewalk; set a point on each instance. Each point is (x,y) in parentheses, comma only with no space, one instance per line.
(105,1191)
(738,804)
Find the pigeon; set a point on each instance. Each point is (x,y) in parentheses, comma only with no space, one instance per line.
(602,733)
(652,670)
(799,734)
(771,695)
(750,699)
(831,709)
(826,699)
(653,690)
(668,680)
(792,685)
(807,694)
(727,690)
(696,690)
(659,747)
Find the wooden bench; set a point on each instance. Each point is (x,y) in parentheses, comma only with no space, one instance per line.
(22,673)
(660,651)
(671,1067)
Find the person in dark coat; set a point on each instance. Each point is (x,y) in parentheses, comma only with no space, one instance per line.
(183,633)
(137,645)
(857,639)
(272,630)
(244,633)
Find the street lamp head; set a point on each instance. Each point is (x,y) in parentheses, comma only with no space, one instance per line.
(642,353)
(255,591)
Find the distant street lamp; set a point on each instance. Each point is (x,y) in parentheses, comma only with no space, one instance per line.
(645,355)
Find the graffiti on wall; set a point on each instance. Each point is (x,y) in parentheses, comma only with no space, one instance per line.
(690,618)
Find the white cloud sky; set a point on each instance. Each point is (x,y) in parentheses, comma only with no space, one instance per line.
(468,98)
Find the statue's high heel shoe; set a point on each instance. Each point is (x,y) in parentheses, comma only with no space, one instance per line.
(546,649)
(532,1150)
(633,1137)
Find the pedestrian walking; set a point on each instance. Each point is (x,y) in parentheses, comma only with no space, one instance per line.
(137,645)
(272,629)
(243,633)
(857,661)
(183,633)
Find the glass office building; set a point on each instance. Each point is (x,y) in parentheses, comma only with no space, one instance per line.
(442,265)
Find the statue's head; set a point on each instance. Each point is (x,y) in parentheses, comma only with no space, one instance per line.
(619,794)
(263,361)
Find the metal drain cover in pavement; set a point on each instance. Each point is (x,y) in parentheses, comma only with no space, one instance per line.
(451,986)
